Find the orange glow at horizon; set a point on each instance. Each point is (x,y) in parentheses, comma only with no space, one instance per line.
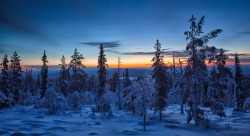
(125,65)
(133,64)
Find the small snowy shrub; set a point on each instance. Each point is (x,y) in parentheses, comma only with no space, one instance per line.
(34,100)
(74,102)
(228,125)
(55,102)
(24,97)
(103,102)
(87,97)
(246,104)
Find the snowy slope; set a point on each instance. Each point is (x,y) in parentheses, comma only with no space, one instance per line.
(29,121)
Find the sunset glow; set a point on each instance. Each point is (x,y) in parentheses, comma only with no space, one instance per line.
(127,29)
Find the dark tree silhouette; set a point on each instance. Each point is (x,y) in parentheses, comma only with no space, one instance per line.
(63,78)
(16,75)
(217,84)
(159,74)
(221,59)
(78,74)
(44,74)
(5,86)
(240,93)
(197,49)
(101,104)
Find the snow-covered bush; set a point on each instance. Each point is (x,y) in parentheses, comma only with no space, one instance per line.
(87,97)
(103,102)
(139,95)
(5,102)
(103,106)
(24,97)
(33,100)
(55,102)
(128,99)
(246,104)
(74,102)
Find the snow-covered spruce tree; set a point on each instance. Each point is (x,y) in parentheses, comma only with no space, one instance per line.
(15,75)
(184,86)
(216,95)
(6,95)
(224,75)
(63,78)
(217,84)
(78,78)
(221,58)
(240,93)
(197,57)
(101,103)
(44,75)
(159,75)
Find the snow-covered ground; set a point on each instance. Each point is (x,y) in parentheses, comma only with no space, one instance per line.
(19,121)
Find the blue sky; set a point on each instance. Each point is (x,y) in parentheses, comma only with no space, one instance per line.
(128,28)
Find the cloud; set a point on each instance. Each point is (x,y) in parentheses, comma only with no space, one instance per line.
(239,55)
(21,25)
(137,53)
(112,44)
(178,54)
(245,32)
(244,57)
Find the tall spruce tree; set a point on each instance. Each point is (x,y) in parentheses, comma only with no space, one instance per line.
(78,79)
(240,93)
(63,77)
(16,75)
(102,105)
(44,74)
(216,95)
(198,56)
(221,59)
(160,76)
(5,86)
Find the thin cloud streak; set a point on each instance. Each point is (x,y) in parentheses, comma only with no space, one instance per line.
(112,44)
(178,54)
(24,27)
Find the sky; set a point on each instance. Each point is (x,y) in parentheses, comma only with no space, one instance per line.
(127,28)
